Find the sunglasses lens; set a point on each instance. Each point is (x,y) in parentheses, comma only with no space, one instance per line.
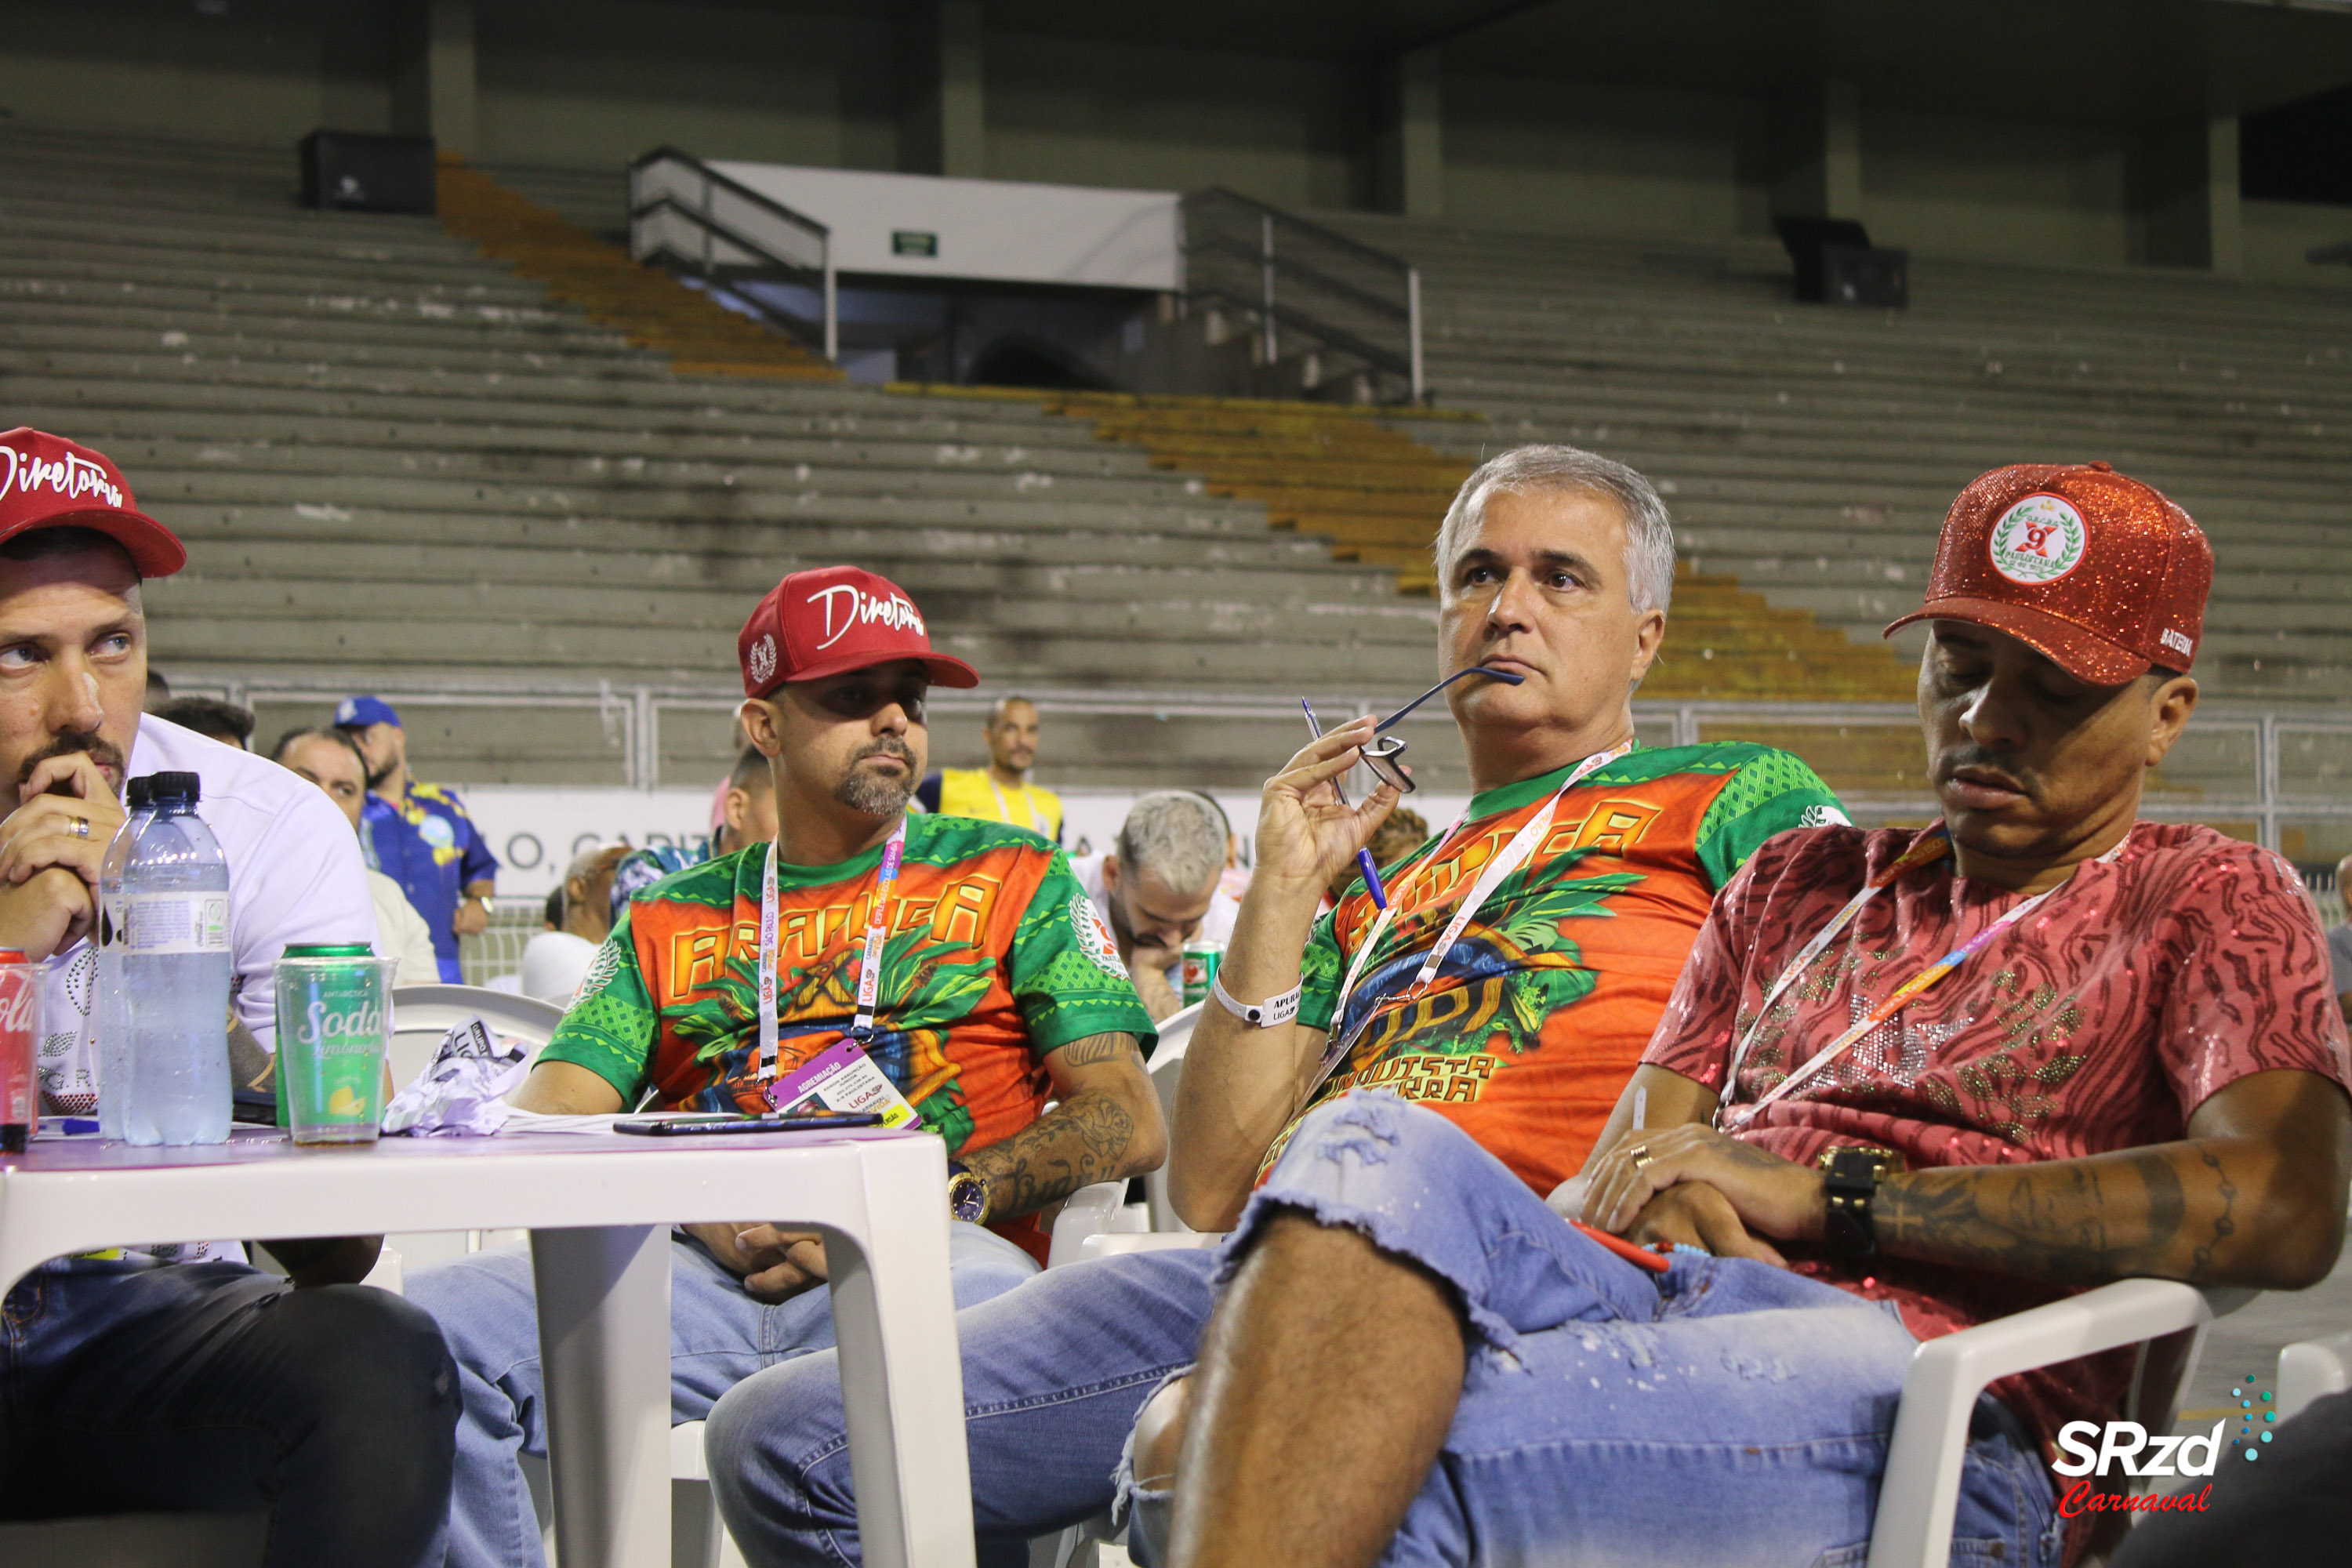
(862,699)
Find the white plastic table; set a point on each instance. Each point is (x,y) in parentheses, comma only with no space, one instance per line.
(599,1209)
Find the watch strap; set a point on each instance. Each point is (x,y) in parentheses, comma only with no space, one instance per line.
(1264,1015)
(1850,1179)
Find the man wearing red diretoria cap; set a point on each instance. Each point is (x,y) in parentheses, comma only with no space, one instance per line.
(941,971)
(176,1376)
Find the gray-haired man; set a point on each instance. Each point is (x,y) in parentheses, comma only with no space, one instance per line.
(1158,889)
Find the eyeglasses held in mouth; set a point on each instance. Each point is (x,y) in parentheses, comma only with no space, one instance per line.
(865,699)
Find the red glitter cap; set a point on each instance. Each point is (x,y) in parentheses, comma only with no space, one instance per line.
(2103,574)
(834,620)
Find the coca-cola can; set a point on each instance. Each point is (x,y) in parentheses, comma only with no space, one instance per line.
(20,1042)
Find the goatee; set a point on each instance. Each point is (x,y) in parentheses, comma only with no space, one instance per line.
(863,791)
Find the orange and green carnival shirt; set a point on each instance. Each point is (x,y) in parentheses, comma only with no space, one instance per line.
(995,958)
(1534,1022)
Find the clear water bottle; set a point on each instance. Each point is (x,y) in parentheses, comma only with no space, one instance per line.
(175,972)
(112,1028)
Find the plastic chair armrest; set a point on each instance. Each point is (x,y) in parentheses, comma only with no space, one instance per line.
(2310,1368)
(1112,1245)
(1920,1494)
(1087,1212)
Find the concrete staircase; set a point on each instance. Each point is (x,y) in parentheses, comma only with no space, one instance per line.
(397,464)
(1810,452)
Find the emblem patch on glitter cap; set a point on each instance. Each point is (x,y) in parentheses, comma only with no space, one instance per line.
(2038,541)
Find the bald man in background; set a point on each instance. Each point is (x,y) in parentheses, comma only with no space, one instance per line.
(1000,792)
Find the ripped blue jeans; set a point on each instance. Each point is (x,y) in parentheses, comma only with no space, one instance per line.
(1724,1412)
(1715,1415)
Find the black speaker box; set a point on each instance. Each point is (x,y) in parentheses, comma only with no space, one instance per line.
(356,172)
(1866,275)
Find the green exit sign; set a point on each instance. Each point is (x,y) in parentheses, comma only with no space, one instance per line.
(913,242)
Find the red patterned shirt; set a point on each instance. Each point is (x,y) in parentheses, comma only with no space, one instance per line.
(2100,1022)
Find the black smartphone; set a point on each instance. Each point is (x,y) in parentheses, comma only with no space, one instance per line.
(704,1126)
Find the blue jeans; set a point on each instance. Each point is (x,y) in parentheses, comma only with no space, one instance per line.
(1715,1413)
(214,1387)
(719,1336)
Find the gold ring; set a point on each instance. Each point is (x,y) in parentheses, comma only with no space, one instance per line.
(80,828)
(1640,1154)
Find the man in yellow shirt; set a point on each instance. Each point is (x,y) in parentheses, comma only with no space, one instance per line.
(1000,792)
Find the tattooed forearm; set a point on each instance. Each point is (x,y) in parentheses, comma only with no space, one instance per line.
(2168,1210)
(1083,1141)
(1097,1049)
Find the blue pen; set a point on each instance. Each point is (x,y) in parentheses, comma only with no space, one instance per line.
(1363,856)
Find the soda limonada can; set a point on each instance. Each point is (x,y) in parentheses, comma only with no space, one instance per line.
(1202,958)
(334,1025)
(20,1041)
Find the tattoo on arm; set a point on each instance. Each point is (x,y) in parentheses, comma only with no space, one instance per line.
(2166,1210)
(1097,1049)
(1080,1141)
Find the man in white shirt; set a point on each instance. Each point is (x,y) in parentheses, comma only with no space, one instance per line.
(1159,889)
(177,1377)
(330,759)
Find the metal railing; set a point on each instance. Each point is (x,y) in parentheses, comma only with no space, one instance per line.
(1298,280)
(2269,773)
(684,213)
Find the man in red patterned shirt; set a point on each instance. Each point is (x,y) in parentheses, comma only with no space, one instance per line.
(1937,1075)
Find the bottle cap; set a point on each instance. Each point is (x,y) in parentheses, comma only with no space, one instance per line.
(138,795)
(13,955)
(329,950)
(184,789)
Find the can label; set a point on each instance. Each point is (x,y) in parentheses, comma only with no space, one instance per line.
(331,1036)
(1202,961)
(20,1039)
(161,923)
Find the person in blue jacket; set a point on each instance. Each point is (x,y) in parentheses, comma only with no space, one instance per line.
(419,836)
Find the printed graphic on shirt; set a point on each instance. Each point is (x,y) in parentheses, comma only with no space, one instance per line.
(984,972)
(1539,1012)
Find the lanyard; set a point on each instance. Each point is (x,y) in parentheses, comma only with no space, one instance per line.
(1004,812)
(870,970)
(1516,853)
(1929,848)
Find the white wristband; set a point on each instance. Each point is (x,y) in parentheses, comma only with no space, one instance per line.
(1266,1014)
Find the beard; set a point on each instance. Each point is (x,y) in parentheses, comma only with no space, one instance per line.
(378,777)
(100,750)
(863,791)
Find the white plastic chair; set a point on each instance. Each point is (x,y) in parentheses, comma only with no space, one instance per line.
(2310,1368)
(1920,1494)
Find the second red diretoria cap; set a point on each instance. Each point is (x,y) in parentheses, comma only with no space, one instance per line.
(2103,574)
(833,620)
(48,481)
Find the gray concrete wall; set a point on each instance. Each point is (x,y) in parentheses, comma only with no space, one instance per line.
(1294,132)
(588,84)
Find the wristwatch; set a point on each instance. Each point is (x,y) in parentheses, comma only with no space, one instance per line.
(1850,1179)
(967,1193)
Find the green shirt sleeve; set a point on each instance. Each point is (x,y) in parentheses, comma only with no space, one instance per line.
(611,1026)
(1067,980)
(1320,969)
(1771,793)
